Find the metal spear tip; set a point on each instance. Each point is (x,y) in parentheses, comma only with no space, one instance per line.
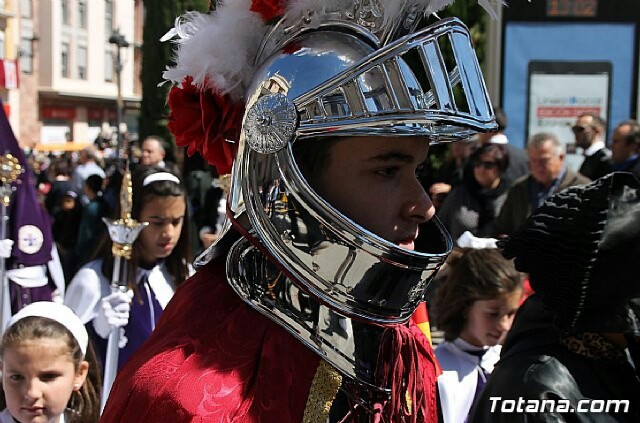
(124,231)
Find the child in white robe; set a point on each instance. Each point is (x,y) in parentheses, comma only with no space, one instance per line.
(474,307)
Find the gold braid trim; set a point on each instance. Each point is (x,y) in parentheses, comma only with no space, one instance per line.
(324,389)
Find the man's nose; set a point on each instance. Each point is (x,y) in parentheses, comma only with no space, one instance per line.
(419,206)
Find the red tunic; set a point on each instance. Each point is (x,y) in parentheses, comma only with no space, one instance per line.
(212,358)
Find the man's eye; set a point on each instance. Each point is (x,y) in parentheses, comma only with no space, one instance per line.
(15,378)
(387,171)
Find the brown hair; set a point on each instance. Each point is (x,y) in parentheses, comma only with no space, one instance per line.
(476,274)
(85,403)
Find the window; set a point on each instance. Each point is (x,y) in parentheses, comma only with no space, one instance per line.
(82,62)
(64,7)
(64,60)
(82,14)
(108,17)
(26,55)
(108,66)
(25,8)
(2,46)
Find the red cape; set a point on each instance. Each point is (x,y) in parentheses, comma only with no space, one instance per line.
(212,358)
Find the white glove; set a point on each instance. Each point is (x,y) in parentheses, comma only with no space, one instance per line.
(113,312)
(6,245)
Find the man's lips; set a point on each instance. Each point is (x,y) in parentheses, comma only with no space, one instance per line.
(407,244)
(408,241)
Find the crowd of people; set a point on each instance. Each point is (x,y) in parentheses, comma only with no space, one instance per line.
(489,187)
(306,302)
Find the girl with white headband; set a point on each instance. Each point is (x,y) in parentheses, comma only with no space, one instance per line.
(49,369)
(159,263)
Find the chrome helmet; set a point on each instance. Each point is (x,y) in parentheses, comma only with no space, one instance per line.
(351,69)
(336,81)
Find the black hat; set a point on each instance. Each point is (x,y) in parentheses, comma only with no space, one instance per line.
(582,252)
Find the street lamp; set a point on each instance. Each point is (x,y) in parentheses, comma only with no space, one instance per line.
(119,41)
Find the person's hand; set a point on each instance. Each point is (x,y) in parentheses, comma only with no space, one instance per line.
(113,312)
(6,245)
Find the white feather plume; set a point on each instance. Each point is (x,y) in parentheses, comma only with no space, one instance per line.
(217,49)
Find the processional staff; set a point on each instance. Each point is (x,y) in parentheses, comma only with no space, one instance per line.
(123,233)
(10,170)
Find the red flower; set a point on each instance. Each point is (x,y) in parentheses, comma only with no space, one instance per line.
(203,121)
(268,9)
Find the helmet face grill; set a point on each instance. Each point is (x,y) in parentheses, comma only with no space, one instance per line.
(407,84)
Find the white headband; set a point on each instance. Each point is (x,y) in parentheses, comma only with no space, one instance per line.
(160,176)
(58,312)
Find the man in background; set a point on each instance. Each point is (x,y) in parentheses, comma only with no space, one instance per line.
(625,147)
(548,175)
(589,133)
(153,151)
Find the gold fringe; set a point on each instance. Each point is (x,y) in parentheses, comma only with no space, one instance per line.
(324,389)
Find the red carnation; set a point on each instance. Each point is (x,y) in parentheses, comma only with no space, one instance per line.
(268,9)
(203,121)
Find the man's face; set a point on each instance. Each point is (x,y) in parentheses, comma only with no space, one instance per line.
(620,150)
(372,180)
(152,153)
(584,131)
(545,163)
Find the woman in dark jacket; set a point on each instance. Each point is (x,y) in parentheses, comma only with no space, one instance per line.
(478,200)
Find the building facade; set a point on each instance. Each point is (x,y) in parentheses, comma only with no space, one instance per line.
(68,69)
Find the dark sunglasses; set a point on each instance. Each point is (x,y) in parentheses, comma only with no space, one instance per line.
(577,129)
(486,165)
